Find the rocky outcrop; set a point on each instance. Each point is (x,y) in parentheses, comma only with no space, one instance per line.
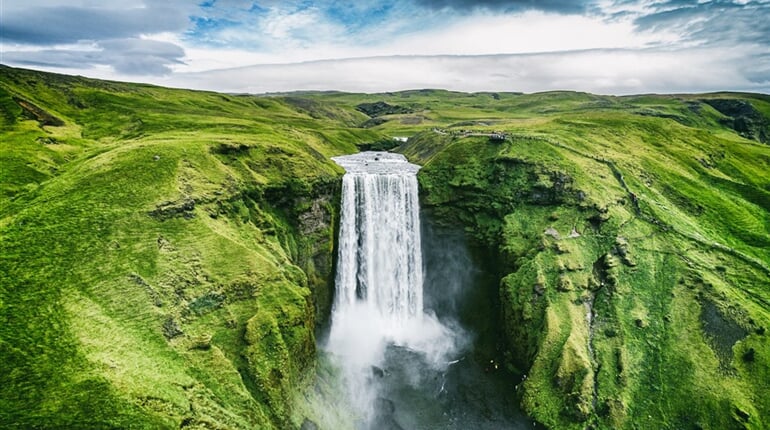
(743,117)
(381,108)
(184,208)
(314,214)
(37,113)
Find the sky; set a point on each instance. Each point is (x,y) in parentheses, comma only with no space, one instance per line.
(257,46)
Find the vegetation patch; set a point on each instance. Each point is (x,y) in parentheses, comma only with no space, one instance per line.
(722,332)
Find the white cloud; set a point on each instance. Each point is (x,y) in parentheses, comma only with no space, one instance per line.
(598,71)
(528,33)
(285,25)
(286,39)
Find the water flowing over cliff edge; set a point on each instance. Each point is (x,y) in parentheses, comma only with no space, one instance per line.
(403,365)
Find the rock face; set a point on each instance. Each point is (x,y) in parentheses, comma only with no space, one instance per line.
(308,425)
(317,216)
(171,329)
(381,108)
(280,347)
(743,117)
(384,411)
(38,114)
(184,208)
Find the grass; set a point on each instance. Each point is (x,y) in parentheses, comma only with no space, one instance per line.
(672,214)
(697,239)
(167,254)
(155,222)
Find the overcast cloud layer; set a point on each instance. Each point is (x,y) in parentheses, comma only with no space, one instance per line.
(603,46)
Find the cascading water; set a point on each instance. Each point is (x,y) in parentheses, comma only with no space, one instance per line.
(380,259)
(403,367)
(379,284)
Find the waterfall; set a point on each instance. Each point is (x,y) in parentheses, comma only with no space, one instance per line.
(397,365)
(379,284)
(380,258)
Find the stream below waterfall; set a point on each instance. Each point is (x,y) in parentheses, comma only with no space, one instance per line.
(413,325)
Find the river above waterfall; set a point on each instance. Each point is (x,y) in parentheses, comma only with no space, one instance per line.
(397,333)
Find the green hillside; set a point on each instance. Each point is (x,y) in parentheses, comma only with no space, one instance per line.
(165,255)
(162,251)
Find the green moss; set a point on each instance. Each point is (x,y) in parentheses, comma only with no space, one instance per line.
(599,219)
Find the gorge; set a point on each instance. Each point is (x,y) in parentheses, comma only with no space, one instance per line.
(396,356)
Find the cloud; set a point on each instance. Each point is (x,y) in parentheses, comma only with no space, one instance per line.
(598,71)
(559,6)
(287,38)
(126,56)
(276,26)
(142,57)
(529,32)
(711,22)
(66,24)
(84,34)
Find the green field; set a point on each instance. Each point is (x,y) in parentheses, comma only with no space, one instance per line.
(166,255)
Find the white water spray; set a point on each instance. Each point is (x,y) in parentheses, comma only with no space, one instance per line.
(379,297)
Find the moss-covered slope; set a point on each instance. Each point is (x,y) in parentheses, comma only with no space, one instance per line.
(634,252)
(163,253)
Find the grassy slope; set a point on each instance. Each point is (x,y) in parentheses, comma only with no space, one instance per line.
(159,253)
(654,317)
